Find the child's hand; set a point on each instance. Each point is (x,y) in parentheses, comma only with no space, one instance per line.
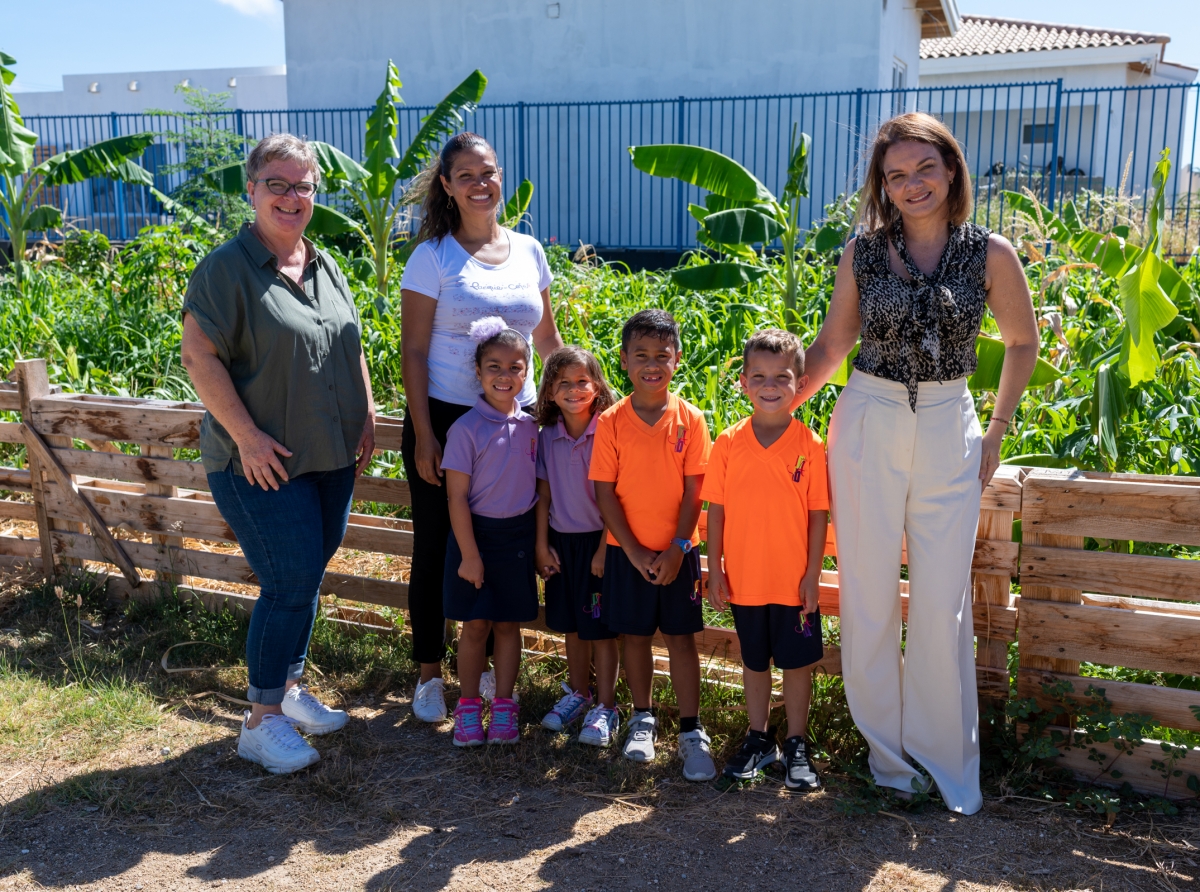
(810,592)
(548,562)
(718,588)
(598,559)
(643,560)
(471,569)
(666,566)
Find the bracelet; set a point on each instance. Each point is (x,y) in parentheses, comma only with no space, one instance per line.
(1007,421)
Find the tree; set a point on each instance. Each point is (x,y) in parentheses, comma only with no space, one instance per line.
(22,182)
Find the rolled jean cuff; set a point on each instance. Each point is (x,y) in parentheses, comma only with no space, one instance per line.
(295,670)
(267,696)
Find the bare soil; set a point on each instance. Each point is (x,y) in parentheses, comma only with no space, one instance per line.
(392,805)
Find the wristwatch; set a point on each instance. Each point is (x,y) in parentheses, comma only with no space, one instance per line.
(685,545)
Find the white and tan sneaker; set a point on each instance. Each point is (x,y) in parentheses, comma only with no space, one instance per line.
(310,714)
(429,700)
(276,745)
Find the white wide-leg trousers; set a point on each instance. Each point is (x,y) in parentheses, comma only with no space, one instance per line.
(894,472)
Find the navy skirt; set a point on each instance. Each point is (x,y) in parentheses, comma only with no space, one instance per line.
(573,594)
(509,593)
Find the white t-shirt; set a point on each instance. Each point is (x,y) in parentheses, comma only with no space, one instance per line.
(466,290)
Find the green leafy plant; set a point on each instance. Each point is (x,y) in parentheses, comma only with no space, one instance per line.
(24,182)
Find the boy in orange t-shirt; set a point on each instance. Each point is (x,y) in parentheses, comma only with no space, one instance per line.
(768,495)
(648,458)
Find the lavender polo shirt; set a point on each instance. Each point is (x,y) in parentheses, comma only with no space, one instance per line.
(500,453)
(564,463)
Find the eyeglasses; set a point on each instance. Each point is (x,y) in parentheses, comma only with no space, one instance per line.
(304,189)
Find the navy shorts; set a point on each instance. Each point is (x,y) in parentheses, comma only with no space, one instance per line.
(509,593)
(769,632)
(573,593)
(629,605)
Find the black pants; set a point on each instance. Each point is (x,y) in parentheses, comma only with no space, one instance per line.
(431,526)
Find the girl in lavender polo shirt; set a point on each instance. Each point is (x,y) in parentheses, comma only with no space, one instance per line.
(490,581)
(570,540)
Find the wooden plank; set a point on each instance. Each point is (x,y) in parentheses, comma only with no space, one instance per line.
(378,539)
(1003,492)
(1058,594)
(10,432)
(157,488)
(15,480)
(18,510)
(1106,571)
(1142,605)
(1134,639)
(388,432)
(147,422)
(1073,504)
(382,489)
(1135,768)
(1171,707)
(15,546)
(145,513)
(10,396)
(996,557)
(991,592)
(384,592)
(167,560)
(33,384)
(162,470)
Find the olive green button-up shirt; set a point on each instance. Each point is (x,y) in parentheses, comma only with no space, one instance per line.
(293,353)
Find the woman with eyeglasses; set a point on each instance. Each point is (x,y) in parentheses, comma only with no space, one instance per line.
(272,342)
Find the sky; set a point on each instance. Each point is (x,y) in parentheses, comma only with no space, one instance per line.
(151,35)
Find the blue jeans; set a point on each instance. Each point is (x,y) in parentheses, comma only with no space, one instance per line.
(288,536)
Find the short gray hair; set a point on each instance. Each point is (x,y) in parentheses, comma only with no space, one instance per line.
(282,147)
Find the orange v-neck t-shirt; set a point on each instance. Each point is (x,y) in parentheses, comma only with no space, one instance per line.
(648,464)
(767,494)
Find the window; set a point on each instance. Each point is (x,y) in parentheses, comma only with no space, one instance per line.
(1037,133)
(899,84)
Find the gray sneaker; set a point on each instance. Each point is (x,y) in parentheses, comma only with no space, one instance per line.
(696,755)
(639,745)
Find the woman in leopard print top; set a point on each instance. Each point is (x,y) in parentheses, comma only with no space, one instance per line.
(907,458)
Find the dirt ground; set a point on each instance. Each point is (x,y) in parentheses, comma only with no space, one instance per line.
(393,806)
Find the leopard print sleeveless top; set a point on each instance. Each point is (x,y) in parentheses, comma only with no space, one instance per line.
(924,329)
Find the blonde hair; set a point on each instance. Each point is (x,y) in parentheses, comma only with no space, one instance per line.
(546,411)
(282,147)
(875,211)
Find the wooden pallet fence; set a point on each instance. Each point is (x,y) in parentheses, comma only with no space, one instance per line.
(1113,608)
(152,493)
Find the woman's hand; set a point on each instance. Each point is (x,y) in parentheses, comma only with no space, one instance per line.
(548,562)
(366,446)
(428,456)
(471,569)
(259,459)
(989,461)
(718,588)
(598,558)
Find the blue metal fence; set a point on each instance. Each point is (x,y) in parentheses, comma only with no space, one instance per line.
(1059,143)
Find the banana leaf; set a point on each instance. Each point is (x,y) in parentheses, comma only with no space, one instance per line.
(330,221)
(228,179)
(742,226)
(1109,404)
(1147,309)
(700,167)
(441,122)
(989,353)
(43,217)
(379,141)
(517,206)
(798,171)
(16,140)
(829,237)
(337,168)
(712,276)
(1049,221)
(183,214)
(111,158)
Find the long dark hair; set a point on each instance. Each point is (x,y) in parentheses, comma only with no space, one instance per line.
(546,411)
(439,215)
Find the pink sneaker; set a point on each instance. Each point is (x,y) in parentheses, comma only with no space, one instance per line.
(468,722)
(503,727)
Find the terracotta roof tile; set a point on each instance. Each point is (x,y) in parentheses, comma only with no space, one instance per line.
(984,35)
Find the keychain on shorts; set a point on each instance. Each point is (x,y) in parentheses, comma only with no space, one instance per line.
(594,610)
(805,627)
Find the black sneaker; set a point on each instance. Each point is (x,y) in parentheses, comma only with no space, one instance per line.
(799,775)
(758,751)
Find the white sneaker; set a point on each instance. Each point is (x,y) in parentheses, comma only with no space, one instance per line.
(310,714)
(696,755)
(429,700)
(276,745)
(487,685)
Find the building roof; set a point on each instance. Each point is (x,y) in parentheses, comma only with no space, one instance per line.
(985,36)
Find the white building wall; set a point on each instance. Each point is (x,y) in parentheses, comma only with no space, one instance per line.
(615,49)
(899,42)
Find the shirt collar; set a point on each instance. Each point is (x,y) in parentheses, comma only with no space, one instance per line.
(261,255)
(560,431)
(484,408)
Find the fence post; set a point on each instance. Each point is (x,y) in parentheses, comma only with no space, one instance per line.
(118,186)
(520,142)
(1058,91)
(854,165)
(33,383)
(679,137)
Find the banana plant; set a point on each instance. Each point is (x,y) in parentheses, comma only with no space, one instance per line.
(1150,288)
(738,214)
(22,182)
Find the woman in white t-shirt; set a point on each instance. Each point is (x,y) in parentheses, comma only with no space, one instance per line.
(465,267)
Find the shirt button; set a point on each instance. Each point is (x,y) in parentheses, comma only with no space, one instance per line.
(331,387)
(520,554)
(335,418)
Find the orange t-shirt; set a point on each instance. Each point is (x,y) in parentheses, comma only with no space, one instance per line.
(648,465)
(767,494)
